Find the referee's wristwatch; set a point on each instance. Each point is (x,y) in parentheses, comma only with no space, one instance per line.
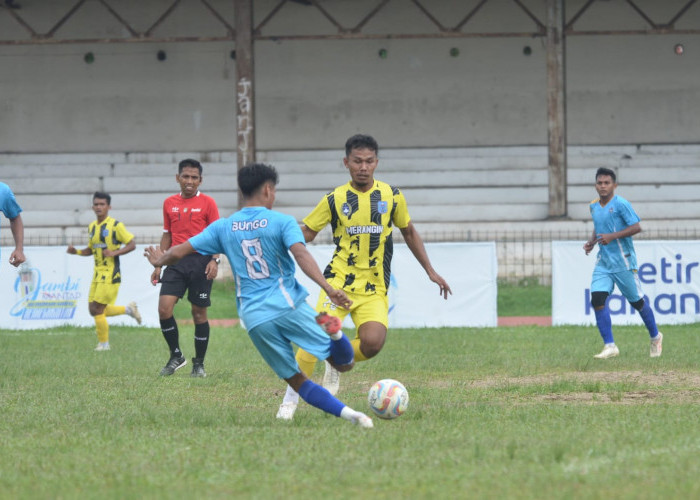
(217,260)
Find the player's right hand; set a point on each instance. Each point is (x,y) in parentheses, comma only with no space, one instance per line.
(155,277)
(339,298)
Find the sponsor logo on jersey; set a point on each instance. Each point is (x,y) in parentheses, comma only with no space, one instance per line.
(196,209)
(175,209)
(248,225)
(374,229)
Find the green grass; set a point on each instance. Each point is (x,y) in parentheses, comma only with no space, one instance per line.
(522,412)
(526,298)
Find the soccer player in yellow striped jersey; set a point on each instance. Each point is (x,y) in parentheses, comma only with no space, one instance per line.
(108,239)
(362,215)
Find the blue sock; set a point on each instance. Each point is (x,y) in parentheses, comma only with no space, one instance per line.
(647,315)
(319,397)
(602,319)
(342,351)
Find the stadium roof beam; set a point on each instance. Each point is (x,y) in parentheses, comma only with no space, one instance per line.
(555,31)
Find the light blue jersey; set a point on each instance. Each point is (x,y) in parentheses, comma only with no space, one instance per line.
(257,241)
(615,216)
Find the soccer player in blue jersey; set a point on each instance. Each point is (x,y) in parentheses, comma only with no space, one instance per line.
(614,224)
(271,302)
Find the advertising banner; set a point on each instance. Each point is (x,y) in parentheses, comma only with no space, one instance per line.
(52,289)
(669,273)
(470,269)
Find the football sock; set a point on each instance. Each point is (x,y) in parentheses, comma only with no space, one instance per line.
(102,328)
(290,396)
(319,397)
(647,315)
(171,335)
(356,348)
(111,310)
(201,339)
(602,319)
(342,351)
(306,362)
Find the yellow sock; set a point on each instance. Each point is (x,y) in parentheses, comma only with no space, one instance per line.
(306,361)
(102,328)
(356,348)
(115,310)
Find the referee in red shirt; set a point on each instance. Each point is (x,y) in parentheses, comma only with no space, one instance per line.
(184,215)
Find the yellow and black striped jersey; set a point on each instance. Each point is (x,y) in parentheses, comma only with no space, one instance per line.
(110,234)
(362,224)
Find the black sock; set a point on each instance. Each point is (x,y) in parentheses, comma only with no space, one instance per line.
(171,335)
(201,339)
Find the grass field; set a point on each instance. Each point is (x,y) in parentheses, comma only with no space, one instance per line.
(522,412)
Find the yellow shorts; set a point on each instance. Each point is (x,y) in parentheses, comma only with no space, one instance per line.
(364,308)
(103,293)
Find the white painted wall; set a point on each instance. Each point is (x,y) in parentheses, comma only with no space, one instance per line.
(314,94)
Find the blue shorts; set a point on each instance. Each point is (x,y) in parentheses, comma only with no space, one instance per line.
(274,339)
(627,282)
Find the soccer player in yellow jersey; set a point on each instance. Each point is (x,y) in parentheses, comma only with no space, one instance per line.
(362,215)
(108,239)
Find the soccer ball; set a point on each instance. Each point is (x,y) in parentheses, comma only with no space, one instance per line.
(388,398)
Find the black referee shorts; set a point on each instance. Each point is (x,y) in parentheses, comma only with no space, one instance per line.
(188,274)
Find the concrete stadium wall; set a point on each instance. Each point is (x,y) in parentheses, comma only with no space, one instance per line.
(314,94)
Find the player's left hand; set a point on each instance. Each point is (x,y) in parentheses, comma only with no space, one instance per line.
(444,287)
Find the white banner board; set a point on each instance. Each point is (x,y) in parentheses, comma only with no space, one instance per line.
(668,270)
(53,289)
(470,269)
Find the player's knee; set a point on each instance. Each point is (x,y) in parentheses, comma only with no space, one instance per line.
(199,314)
(638,305)
(370,348)
(598,299)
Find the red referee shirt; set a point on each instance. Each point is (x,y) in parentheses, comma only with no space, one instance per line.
(186,217)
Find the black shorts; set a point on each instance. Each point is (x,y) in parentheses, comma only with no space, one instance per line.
(188,274)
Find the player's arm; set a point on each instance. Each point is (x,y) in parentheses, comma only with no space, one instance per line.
(129,247)
(604,239)
(308,265)
(588,246)
(159,258)
(309,234)
(83,251)
(165,242)
(415,244)
(17,228)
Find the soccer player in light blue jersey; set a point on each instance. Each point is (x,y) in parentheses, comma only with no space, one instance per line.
(614,224)
(271,302)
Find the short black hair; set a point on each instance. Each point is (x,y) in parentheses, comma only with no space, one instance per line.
(254,175)
(102,196)
(606,171)
(189,162)
(361,141)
